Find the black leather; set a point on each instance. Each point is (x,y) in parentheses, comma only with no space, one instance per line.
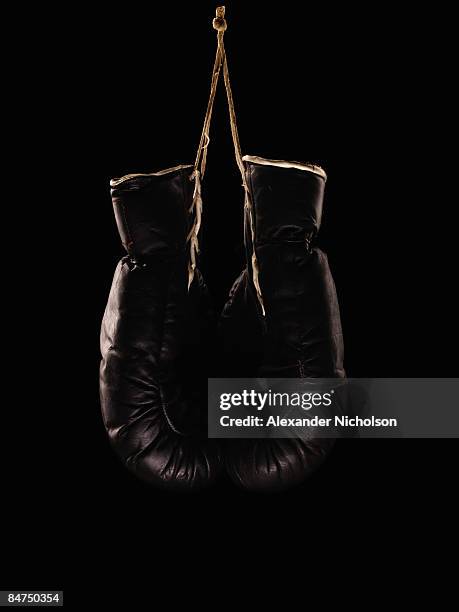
(300,336)
(156,340)
(157,337)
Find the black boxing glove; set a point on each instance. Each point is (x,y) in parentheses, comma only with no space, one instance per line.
(300,334)
(156,338)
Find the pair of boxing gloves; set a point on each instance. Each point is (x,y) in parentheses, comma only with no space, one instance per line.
(160,339)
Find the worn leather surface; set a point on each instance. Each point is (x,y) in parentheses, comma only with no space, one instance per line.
(301,336)
(157,340)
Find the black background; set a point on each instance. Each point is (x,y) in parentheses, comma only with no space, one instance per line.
(360,91)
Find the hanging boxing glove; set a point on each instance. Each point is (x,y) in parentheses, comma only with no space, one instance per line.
(158,331)
(156,337)
(285,305)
